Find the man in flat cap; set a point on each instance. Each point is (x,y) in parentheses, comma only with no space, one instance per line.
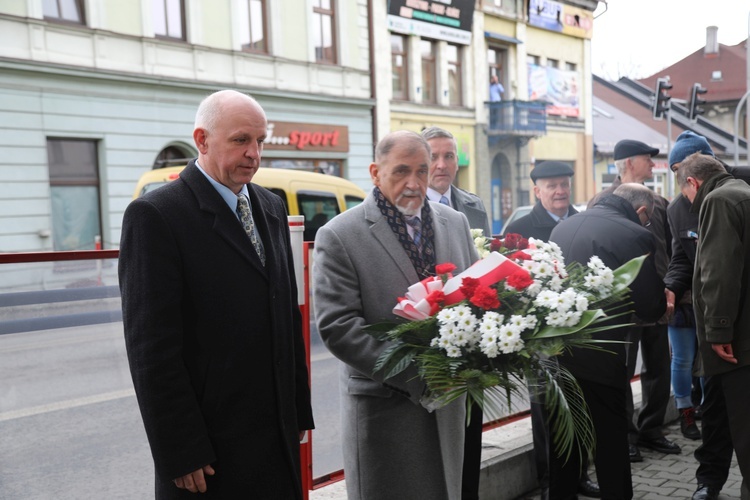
(552,190)
(634,163)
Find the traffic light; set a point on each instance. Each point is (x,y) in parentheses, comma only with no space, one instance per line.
(661,98)
(696,101)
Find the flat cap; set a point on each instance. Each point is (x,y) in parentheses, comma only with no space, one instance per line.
(547,169)
(627,148)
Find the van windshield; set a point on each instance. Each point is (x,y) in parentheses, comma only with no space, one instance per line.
(318,208)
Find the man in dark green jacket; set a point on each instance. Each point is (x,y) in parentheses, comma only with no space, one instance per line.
(721,297)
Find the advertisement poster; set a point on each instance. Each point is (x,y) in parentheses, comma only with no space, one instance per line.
(448,20)
(558,87)
(546,14)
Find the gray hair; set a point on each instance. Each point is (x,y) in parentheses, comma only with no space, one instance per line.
(637,195)
(210,108)
(620,164)
(699,167)
(387,143)
(436,133)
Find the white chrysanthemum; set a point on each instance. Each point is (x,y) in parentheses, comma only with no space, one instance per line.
(445,341)
(453,352)
(592,282)
(447,315)
(490,350)
(477,233)
(533,290)
(572,318)
(582,302)
(555,283)
(447,329)
(460,339)
(531,321)
(492,317)
(556,318)
(596,263)
(517,323)
(566,299)
(462,311)
(467,323)
(546,298)
(435,342)
(608,277)
(510,345)
(509,331)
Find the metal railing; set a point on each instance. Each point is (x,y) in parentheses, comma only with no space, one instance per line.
(517,118)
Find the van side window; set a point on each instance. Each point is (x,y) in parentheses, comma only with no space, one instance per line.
(281,194)
(318,208)
(352,201)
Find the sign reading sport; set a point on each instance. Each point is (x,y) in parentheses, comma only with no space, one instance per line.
(448,20)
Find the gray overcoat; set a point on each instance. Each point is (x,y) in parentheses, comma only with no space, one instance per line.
(472,207)
(393,447)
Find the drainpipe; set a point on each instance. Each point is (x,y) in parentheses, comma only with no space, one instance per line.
(373,91)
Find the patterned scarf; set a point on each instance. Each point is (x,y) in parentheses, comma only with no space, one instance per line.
(423,262)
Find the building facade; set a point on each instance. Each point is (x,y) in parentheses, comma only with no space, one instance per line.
(95,92)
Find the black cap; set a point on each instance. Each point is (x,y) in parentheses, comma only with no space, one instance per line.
(627,148)
(547,169)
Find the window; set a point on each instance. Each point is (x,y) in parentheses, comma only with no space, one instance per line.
(74,187)
(399,80)
(532,60)
(169,18)
(429,83)
(553,63)
(318,208)
(253,25)
(570,66)
(454,75)
(323,30)
(64,10)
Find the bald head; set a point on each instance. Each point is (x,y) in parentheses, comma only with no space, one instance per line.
(211,108)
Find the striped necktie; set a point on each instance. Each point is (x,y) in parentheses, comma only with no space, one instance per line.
(246,217)
(416,224)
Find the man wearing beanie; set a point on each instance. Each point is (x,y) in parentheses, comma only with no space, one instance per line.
(714,455)
(721,286)
(634,163)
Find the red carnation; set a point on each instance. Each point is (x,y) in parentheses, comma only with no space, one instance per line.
(444,268)
(496,245)
(468,285)
(520,280)
(485,297)
(520,256)
(435,297)
(511,241)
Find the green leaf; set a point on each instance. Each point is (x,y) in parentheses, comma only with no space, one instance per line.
(626,273)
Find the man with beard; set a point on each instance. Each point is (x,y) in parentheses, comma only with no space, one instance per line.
(365,258)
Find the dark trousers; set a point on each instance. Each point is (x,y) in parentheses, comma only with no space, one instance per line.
(656,380)
(472,456)
(726,411)
(607,407)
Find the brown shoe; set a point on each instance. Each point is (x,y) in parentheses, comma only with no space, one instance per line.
(687,424)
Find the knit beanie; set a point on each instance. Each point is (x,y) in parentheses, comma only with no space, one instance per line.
(686,144)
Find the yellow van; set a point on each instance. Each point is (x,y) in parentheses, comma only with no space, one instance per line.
(318,197)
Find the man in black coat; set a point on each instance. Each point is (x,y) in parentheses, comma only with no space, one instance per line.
(612,230)
(634,163)
(212,325)
(552,190)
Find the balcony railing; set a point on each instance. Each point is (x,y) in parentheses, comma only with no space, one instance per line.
(517,118)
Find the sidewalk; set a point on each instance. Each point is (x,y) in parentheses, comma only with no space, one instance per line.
(508,467)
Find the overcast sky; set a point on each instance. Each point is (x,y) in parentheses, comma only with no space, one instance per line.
(637,38)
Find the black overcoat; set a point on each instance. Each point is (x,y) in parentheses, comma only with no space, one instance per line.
(214,339)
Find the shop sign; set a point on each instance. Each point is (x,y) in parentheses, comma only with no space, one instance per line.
(448,20)
(290,136)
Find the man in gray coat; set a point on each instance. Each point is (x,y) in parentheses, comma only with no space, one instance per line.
(721,301)
(364,259)
(443,170)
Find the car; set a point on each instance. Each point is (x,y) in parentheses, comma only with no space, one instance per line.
(319,197)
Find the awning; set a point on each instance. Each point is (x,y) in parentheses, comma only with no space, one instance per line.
(502,38)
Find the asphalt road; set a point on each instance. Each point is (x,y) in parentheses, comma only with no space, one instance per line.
(70,426)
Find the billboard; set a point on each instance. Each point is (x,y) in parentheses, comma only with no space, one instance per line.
(558,87)
(448,20)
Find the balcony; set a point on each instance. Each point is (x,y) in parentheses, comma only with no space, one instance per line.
(516,119)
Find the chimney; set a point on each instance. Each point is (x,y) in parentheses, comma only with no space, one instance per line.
(712,41)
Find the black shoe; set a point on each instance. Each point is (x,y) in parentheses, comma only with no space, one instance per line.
(698,415)
(660,444)
(687,424)
(635,453)
(705,492)
(589,488)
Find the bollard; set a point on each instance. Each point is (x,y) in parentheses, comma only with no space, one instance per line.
(296,230)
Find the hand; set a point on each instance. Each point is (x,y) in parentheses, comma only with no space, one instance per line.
(195,481)
(670,301)
(725,352)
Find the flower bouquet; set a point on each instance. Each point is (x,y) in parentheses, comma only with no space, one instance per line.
(496,328)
